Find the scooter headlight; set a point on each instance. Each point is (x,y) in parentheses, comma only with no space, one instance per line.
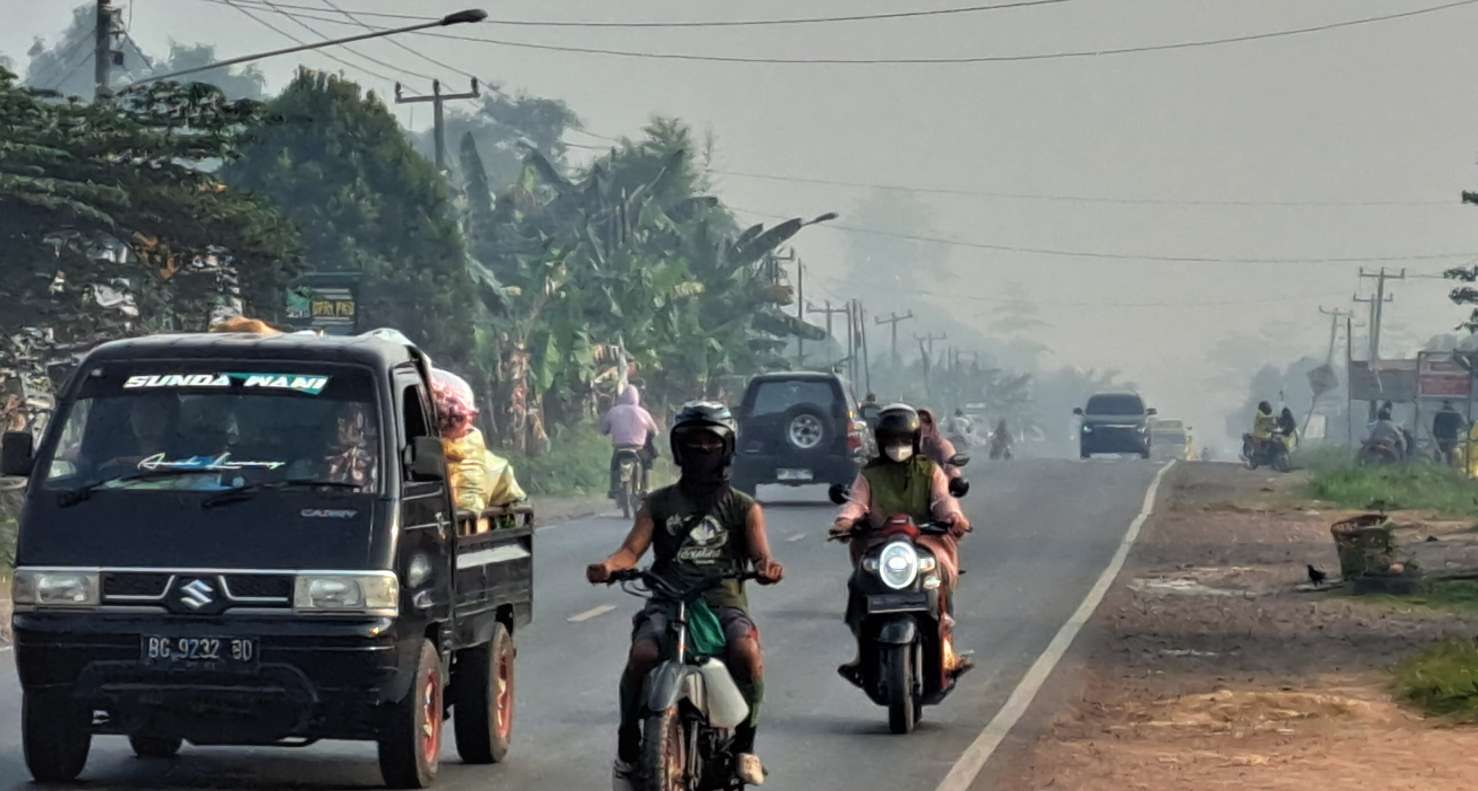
(898,565)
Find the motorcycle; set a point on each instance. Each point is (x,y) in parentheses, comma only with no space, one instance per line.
(631,474)
(1266,452)
(1378,452)
(691,704)
(1000,449)
(895,592)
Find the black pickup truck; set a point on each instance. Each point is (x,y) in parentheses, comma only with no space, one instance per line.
(250,540)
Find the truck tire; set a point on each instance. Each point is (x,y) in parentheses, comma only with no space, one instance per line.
(56,735)
(482,699)
(155,746)
(410,749)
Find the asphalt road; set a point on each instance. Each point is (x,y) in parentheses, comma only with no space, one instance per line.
(1044,532)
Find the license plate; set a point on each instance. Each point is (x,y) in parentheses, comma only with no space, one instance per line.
(897,602)
(157,650)
(793,475)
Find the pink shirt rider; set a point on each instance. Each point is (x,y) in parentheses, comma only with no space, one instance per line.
(628,423)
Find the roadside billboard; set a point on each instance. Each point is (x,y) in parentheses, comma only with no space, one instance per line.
(1387,380)
(1439,375)
(326,302)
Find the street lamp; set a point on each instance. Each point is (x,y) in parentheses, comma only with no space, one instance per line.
(458,18)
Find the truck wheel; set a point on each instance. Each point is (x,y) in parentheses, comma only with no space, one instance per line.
(410,749)
(898,676)
(664,752)
(56,735)
(482,704)
(155,746)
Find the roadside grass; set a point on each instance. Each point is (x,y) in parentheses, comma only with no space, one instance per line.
(577,464)
(1455,596)
(1336,479)
(1442,681)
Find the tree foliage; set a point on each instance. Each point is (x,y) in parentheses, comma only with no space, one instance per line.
(335,162)
(503,128)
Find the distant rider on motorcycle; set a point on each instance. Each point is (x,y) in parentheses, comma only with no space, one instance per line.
(631,428)
(1384,430)
(1000,441)
(696,528)
(932,444)
(1264,423)
(901,480)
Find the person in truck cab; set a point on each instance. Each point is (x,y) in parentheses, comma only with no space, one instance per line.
(902,480)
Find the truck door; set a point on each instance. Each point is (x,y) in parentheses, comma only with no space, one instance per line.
(425,511)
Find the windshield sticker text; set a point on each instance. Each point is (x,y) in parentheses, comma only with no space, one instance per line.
(308,384)
(223,462)
(176,380)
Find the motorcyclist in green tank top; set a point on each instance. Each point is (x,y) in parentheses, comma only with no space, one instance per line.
(699,527)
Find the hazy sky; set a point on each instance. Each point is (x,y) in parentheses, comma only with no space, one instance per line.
(1383,112)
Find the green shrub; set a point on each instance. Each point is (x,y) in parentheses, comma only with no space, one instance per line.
(1442,681)
(577,464)
(1408,486)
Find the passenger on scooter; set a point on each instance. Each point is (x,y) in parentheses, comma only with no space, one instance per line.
(631,428)
(1264,423)
(1288,428)
(697,528)
(901,480)
(1385,430)
(933,444)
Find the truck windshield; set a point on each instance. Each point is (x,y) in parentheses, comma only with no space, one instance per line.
(1115,405)
(211,429)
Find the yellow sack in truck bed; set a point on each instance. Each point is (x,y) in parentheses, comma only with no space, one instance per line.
(480,479)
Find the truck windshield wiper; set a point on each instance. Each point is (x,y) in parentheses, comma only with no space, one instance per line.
(247,491)
(72,497)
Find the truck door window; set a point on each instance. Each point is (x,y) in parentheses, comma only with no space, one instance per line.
(413,406)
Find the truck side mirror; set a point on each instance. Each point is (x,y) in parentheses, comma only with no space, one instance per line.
(838,493)
(958,487)
(17,454)
(425,459)
(1077,410)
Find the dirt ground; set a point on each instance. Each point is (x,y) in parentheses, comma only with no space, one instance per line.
(1205,668)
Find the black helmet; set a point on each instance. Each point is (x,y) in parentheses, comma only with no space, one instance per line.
(707,416)
(898,421)
(1265,408)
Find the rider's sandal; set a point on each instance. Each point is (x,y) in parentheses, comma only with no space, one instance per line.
(749,770)
(963,664)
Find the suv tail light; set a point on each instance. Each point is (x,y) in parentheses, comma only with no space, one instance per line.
(854,435)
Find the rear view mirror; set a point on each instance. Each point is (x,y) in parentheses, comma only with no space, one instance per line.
(959,460)
(958,487)
(17,455)
(1078,411)
(838,494)
(425,459)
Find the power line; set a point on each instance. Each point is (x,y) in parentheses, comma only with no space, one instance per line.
(1088,53)
(346,47)
(971,9)
(1069,198)
(67,75)
(1178,259)
(396,42)
(297,40)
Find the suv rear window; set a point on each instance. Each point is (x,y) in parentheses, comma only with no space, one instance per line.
(777,397)
(1115,405)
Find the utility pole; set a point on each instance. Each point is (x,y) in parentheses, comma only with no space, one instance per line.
(929,340)
(1376,303)
(830,311)
(1349,393)
(862,339)
(437,98)
(892,321)
(102,52)
(1334,316)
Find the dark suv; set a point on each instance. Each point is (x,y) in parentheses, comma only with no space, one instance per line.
(1114,423)
(798,428)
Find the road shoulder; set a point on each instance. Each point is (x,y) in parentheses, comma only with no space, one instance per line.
(1205,668)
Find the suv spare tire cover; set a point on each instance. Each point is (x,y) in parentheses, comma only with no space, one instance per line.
(806,428)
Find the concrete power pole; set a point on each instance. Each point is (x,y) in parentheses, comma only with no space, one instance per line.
(102,53)
(892,321)
(437,98)
(831,311)
(1376,304)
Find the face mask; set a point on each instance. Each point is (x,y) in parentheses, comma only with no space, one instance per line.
(701,464)
(899,452)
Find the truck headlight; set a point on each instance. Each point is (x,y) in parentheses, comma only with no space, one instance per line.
(349,593)
(58,588)
(898,565)
(1087,429)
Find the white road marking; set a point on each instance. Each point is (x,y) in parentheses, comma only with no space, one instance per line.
(795,538)
(593,612)
(968,767)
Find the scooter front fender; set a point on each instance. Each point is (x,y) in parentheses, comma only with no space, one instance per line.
(897,631)
(670,683)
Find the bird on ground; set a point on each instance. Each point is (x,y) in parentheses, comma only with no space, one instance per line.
(1316,576)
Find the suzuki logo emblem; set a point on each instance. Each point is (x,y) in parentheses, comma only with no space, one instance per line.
(197,594)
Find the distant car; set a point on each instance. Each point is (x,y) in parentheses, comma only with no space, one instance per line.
(1172,439)
(798,428)
(1114,423)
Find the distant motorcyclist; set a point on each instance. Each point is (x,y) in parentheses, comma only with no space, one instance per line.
(933,444)
(1264,423)
(903,480)
(696,528)
(1288,427)
(961,428)
(1385,431)
(1000,441)
(631,428)
(1447,429)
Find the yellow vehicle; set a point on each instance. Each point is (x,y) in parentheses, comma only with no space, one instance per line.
(1171,438)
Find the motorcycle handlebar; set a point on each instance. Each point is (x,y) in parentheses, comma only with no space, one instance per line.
(661,585)
(860,528)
